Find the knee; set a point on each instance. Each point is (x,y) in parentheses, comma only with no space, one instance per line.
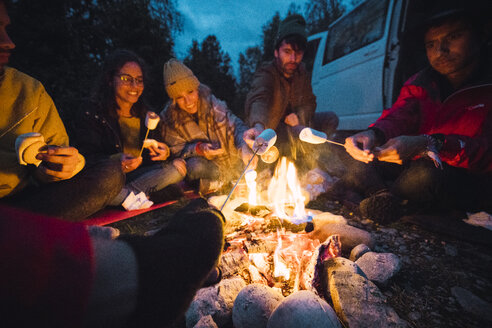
(420,179)
(110,176)
(201,168)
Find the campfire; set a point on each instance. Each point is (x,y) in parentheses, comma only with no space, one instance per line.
(275,259)
(266,234)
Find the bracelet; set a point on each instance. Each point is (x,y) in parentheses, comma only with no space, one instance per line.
(434,142)
(432,150)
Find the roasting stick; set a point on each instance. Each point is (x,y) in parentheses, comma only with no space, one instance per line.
(151,121)
(263,142)
(242,174)
(335,143)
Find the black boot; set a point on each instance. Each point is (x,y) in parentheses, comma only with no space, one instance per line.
(174,263)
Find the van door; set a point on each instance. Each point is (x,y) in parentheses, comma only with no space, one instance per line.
(350,78)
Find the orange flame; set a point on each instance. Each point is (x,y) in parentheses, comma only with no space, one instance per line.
(250,177)
(285,190)
(281,269)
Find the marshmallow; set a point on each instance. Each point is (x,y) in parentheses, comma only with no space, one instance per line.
(312,136)
(151,120)
(27,147)
(264,141)
(271,155)
(150,142)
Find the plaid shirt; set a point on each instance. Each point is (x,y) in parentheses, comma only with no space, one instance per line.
(216,124)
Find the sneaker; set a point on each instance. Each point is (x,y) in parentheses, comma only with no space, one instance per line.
(382,207)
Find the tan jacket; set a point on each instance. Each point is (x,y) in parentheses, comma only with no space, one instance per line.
(25,107)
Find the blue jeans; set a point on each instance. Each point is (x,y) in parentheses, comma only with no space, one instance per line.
(74,199)
(148,179)
(201,168)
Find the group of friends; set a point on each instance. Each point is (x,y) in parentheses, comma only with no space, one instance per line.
(430,150)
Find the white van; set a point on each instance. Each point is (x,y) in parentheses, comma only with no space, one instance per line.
(361,61)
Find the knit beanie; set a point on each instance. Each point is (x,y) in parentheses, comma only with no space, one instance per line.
(178,78)
(292,25)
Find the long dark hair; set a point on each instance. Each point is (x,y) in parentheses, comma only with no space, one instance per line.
(104,93)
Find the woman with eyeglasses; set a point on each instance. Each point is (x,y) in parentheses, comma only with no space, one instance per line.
(112,124)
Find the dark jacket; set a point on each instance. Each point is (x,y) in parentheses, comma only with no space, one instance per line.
(98,136)
(272,95)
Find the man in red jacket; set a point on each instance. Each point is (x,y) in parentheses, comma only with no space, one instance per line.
(438,132)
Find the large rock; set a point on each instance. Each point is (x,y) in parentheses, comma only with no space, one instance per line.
(216,301)
(339,264)
(206,322)
(359,303)
(253,306)
(349,236)
(379,267)
(303,309)
(327,217)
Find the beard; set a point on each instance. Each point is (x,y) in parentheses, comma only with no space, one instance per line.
(288,68)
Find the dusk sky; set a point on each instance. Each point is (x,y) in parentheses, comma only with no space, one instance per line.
(237,24)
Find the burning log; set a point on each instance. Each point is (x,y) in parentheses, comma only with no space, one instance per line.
(313,277)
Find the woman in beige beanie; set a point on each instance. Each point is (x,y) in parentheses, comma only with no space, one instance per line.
(201,129)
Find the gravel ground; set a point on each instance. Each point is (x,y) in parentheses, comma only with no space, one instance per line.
(436,268)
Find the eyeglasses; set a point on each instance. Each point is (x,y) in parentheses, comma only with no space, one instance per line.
(129,80)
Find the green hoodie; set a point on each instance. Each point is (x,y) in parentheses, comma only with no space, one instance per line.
(25,107)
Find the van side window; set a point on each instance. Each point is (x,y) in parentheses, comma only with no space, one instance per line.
(310,54)
(359,28)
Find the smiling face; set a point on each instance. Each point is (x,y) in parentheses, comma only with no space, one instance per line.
(452,48)
(128,85)
(6,45)
(288,58)
(188,101)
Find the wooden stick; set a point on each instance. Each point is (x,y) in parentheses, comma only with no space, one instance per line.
(335,143)
(141,150)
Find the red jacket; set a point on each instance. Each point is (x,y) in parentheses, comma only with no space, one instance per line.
(46,270)
(464,118)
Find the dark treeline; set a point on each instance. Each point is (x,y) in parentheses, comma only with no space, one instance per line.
(62,43)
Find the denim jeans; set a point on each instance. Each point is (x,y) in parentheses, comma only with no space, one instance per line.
(201,168)
(148,179)
(420,182)
(76,198)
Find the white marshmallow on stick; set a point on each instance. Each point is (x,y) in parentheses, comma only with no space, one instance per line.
(149,143)
(151,121)
(264,141)
(316,137)
(28,146)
